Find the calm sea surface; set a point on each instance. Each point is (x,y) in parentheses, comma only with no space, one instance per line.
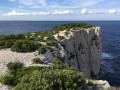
(110,69)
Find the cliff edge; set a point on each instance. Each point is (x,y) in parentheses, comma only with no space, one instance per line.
(83,50)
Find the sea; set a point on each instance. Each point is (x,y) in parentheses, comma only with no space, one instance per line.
(110,66)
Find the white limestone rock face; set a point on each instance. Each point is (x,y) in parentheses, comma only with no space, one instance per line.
(83,50)
(101,85)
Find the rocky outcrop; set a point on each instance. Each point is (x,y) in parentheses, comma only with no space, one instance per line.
(101,85)
(83,50)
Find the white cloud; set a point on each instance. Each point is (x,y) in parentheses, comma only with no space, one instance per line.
(14,13)
(63,12)
(84,11)
(40,13)
(112,11)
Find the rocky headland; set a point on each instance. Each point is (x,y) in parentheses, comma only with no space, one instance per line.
(80,48)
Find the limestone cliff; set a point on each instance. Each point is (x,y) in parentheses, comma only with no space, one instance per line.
(81,49)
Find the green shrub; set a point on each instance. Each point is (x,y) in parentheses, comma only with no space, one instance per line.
(60,37)
(7,79)
(37,60)
(15,65)
(67,33)
(2,37)
(19,36)
(59,66)
(24,46)
(54,77)
(90,83)
(9,36)
(51,38)
(6,43)
(52,80)
(56,61)
(12,36)
(42,49)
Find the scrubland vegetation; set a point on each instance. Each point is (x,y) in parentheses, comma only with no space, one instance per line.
(55,77)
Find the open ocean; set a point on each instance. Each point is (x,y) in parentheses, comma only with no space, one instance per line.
(110,69)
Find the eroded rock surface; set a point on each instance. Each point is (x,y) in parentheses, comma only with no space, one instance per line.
(83,50)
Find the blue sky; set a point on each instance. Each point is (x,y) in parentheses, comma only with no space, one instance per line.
(59,10)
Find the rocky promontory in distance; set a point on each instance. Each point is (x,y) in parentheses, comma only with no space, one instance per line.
(78,45)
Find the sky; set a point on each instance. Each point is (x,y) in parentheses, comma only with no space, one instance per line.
(59,10)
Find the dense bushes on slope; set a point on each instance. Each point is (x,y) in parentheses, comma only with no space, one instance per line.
(6,43)
(24,46)
(42,49)
(56,61)
(56,77)
(37,61)
(12,36)
(15,65)
(52,80)
(8,79)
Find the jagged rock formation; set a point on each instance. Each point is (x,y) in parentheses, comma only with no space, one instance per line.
(82,50)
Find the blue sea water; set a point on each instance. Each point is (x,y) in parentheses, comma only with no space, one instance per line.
(110,69)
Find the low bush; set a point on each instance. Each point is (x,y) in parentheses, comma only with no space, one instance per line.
(19,36)
(37,61)
(52,43)
(67,33)
(7,79)
(2,37)
(15,65)
(6,43)
(56,61)
(60,37)
(42,49)
(90,83)
(24,46)
(52,80)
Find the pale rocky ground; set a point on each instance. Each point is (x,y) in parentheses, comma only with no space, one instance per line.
(8,56)
(100,85)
